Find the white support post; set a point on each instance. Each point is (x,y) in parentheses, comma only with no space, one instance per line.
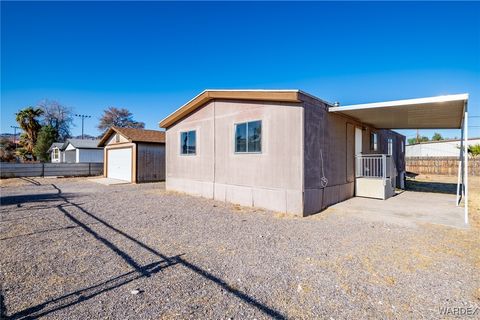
(384,167)
(459,179)
(465,171)
(461,163)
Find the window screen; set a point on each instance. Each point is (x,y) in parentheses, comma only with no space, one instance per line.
(188,142)
(248,137)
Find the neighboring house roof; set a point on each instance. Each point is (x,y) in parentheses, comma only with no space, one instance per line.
(134,135)
(255,95)
(82,144)
(440,141)
(55,145)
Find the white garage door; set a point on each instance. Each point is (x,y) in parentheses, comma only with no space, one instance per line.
(119,164)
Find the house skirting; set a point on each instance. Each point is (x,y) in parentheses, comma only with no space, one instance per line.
(317,199)
(275,199)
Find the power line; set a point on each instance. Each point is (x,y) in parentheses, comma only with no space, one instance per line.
(15,135)
(83,116)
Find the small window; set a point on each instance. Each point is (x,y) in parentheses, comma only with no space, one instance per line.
(117,138)
(188,142)
(248,137)
(55,154)
(373,141)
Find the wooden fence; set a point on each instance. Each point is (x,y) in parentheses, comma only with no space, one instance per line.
(17,170)
(441,165)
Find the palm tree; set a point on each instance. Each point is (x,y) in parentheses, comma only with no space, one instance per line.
(27,119)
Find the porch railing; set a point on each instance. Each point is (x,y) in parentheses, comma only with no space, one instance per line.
(380,166)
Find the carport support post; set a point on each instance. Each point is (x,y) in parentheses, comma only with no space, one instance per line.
(460,182)
(465,157)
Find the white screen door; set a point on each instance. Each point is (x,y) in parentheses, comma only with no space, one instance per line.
(358,141)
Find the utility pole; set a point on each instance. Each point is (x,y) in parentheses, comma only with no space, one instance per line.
(83,116)
(418,136)
(15,135)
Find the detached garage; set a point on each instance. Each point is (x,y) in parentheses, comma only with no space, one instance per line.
(134,155)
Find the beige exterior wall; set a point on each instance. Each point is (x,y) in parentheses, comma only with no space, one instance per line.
(192,174)
(271,179)
(307,160)
(113,139)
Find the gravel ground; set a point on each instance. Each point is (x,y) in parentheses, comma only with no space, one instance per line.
(73,249)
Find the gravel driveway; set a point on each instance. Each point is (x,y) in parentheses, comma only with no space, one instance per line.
(73,249)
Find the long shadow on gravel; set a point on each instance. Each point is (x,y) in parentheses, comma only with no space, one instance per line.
(22,199)
(38,232)
(139,272)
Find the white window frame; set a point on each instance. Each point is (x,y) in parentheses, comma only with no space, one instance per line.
(196,145)
(390,146)
(56,154)
(235,140)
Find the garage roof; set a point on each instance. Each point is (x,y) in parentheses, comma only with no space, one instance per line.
(441,112)
(134,135)
(55,145)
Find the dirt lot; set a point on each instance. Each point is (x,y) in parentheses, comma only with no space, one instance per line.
(75,249)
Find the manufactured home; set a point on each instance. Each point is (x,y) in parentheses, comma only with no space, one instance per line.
(134,155)
(281,150)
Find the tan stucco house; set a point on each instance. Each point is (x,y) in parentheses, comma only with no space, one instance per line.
(278,149)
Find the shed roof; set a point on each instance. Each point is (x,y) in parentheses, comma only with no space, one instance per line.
(441,112)
(290,95)
(55,145)
(134,135)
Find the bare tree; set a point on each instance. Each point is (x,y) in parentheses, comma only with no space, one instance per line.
(119,118)
(58,116)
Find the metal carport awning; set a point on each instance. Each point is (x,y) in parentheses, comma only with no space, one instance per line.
(441,112)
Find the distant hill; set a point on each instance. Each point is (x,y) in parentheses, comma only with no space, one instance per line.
(86,137)
(9,136)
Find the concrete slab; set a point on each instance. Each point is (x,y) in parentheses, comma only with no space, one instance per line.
(109,181)
(407,208)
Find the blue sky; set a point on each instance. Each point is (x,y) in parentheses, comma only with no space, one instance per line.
(151,57)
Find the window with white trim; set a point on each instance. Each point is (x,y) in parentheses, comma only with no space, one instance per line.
(55,153)
(248,137)
(188,141)
(390,146)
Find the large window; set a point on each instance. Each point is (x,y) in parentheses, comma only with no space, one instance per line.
(248,137)
(373,141)
(188,142)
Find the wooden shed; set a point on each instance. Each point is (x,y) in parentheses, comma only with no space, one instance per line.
(134,155)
